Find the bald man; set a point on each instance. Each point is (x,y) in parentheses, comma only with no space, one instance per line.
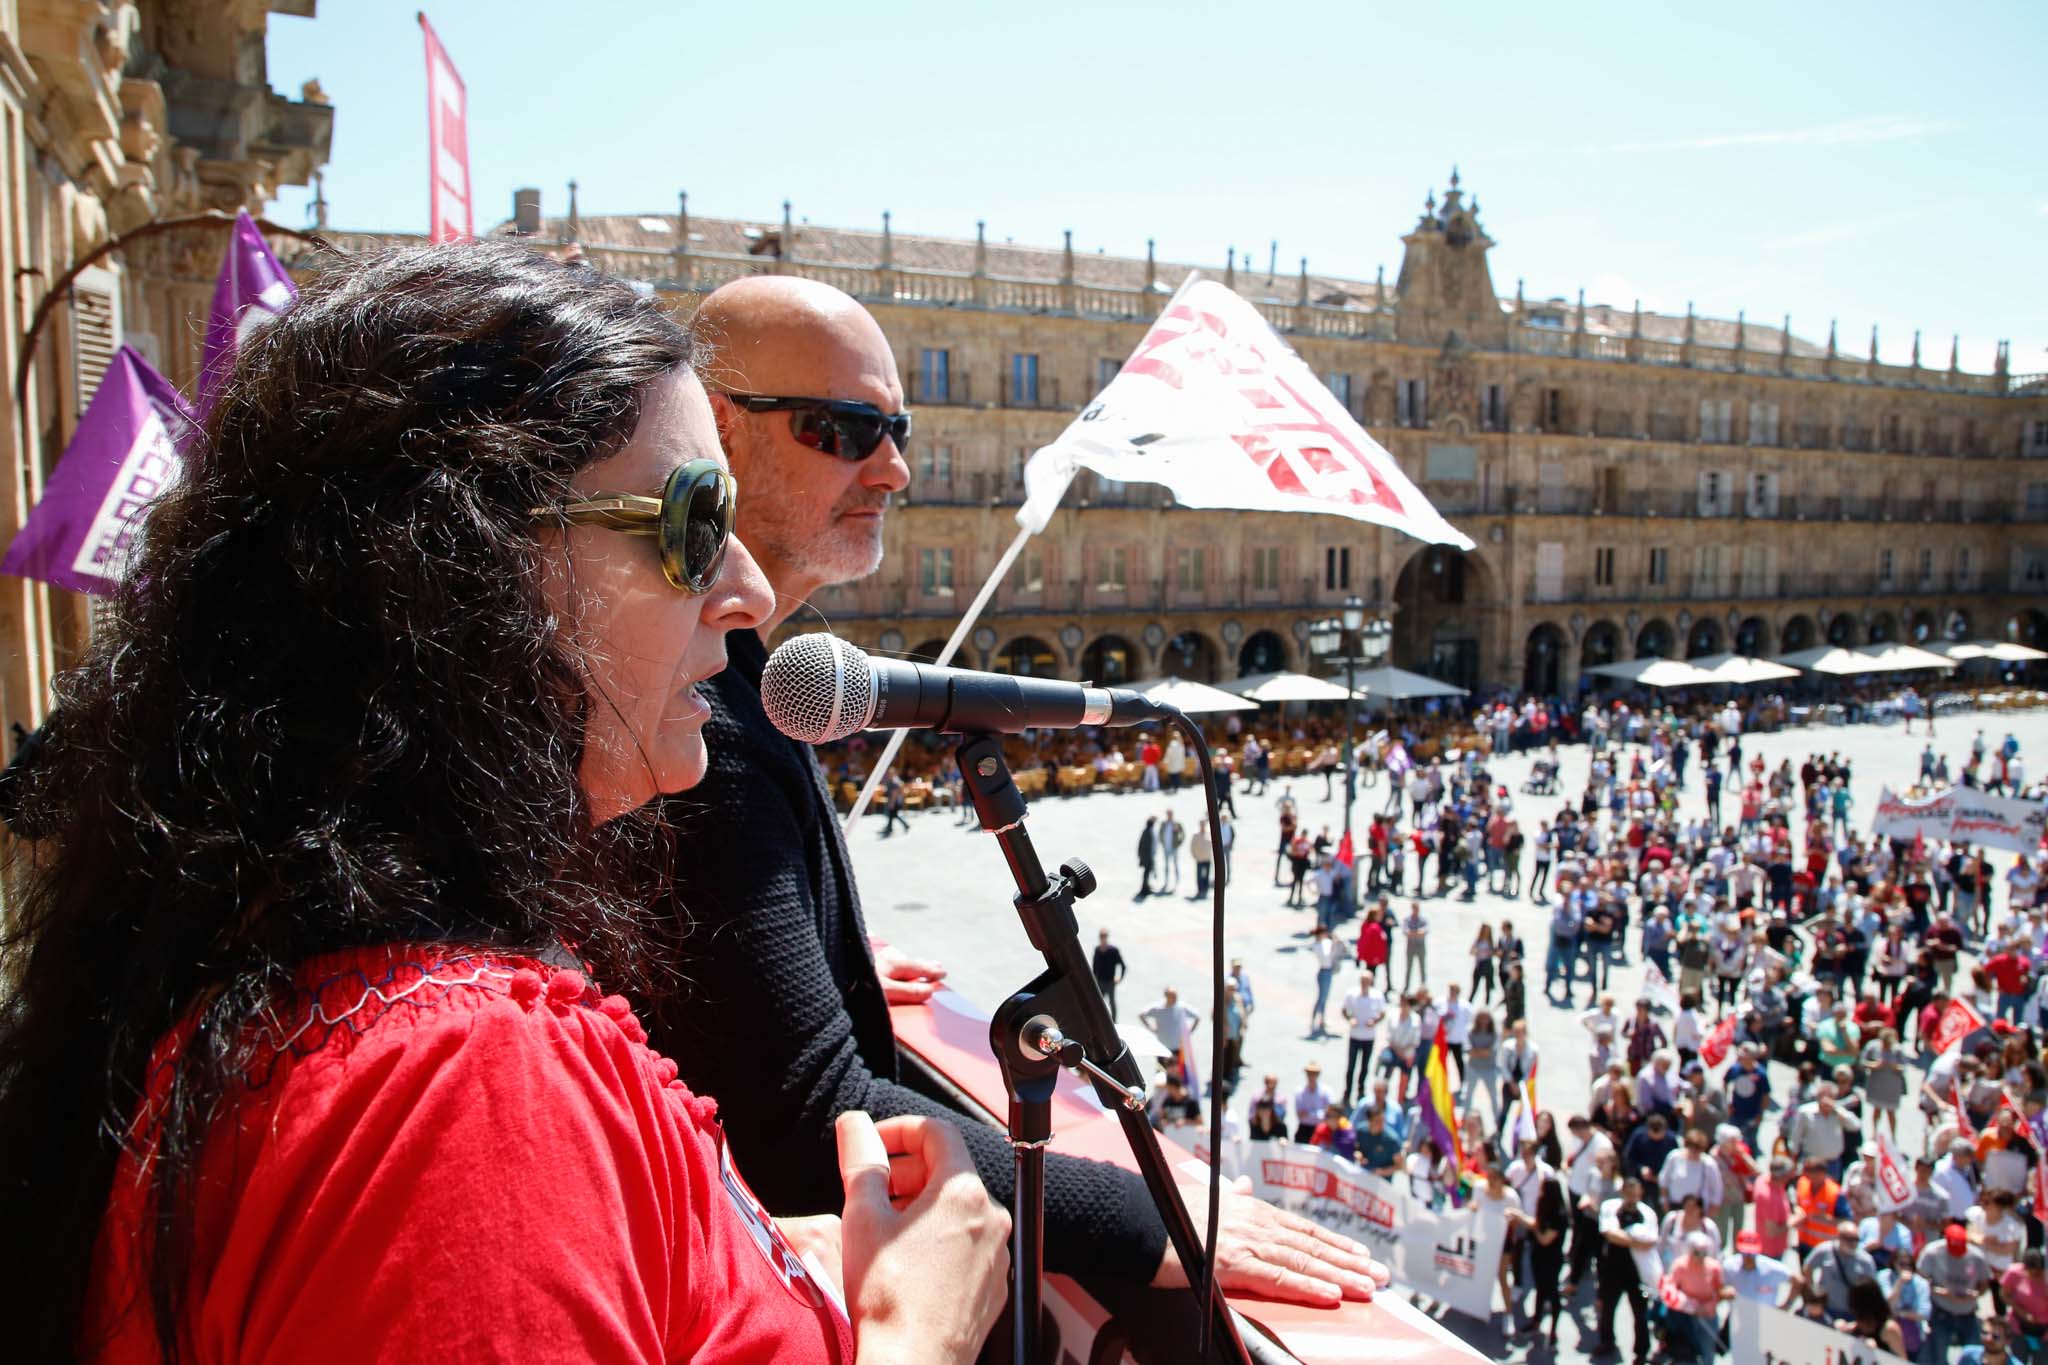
(783,1011)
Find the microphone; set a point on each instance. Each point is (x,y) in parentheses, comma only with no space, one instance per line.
(818,688)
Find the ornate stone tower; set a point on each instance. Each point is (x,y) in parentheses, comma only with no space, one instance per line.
(1445,285)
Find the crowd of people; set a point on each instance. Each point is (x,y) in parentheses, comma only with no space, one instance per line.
(1775,934)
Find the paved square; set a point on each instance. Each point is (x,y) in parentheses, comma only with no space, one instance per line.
(943,891)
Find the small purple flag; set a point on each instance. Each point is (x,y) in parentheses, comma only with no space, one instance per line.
(252,289)
(124,453)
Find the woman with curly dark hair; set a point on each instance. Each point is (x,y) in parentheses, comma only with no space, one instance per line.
(302,1061)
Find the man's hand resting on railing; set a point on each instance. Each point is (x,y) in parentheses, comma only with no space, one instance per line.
(1265,1250)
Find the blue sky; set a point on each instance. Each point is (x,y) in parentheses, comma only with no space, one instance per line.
(1862,162)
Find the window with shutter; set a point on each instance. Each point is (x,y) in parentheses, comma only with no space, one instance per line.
(95,329)
(1550,571)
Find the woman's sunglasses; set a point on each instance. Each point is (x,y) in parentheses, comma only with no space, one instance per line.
(843,427)
(692,520)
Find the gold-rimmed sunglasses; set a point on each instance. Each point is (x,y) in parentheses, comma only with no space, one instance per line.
(691,520)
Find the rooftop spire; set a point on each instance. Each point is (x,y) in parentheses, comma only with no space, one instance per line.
(1230,270)
(1151,266)
(888,243)
(1454,175)
(1303,300)
(575,226)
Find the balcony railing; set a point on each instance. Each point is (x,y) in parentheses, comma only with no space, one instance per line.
(701,271)
(1043,394)
(932,391)
(1580,589)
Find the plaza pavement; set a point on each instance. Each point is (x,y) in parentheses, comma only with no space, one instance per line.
(943,891)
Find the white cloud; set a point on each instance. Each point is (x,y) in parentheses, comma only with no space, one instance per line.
(1876,128)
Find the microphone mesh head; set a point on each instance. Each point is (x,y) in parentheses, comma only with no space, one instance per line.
(818,688)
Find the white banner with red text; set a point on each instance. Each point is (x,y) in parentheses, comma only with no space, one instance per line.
(1905,817)
(1449,1255)
(1761,1335)
(1965,816)
(2005,822)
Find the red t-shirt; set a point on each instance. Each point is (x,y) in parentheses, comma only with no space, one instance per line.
(465,1157)
(1372,943)
(2009,971)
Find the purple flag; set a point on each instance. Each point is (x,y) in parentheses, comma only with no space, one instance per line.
(252,289)
(123,454)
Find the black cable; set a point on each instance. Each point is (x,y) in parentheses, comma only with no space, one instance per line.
(1212,1295)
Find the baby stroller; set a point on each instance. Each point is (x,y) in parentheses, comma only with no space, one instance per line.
(1543,780)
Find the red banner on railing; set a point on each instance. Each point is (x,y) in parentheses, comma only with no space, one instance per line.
(447,144)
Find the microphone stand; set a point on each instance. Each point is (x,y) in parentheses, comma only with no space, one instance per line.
(1060,1019)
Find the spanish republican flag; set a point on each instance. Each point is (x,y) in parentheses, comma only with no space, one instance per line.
(1437,1116)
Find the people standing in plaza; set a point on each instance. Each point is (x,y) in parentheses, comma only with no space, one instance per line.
(1546,848)
(1171,1022)
(1364,1009)
(1170,832)
(1202,854)
(1148,853)
(1373,945)
(1415,938)
(892,806)
(1627,1265)
(1108,966)
(1323,953)
(1311,1102)
(1287,825)
(1328,879)
(1172,761)
(1483,962)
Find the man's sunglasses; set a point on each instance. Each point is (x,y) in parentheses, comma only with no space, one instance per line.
(692,520)
(843,427)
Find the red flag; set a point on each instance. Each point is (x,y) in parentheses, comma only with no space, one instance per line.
(447,144)
(1714,1047)
(1344,853)
(1957,1021)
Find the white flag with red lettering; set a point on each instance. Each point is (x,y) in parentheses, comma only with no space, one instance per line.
(1217,407)
(1893,1174)
(449,214)
(1957,1022)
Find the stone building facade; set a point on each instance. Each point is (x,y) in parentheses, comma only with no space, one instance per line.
(1635,483)
(113,116)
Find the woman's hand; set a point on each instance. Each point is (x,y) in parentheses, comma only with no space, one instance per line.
(926,1252)
(1261,1249)
(906,980)
(818,1240)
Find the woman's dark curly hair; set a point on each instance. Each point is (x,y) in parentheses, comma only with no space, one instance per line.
(329,708)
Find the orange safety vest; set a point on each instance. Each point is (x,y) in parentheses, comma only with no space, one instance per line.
(1817,1202)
